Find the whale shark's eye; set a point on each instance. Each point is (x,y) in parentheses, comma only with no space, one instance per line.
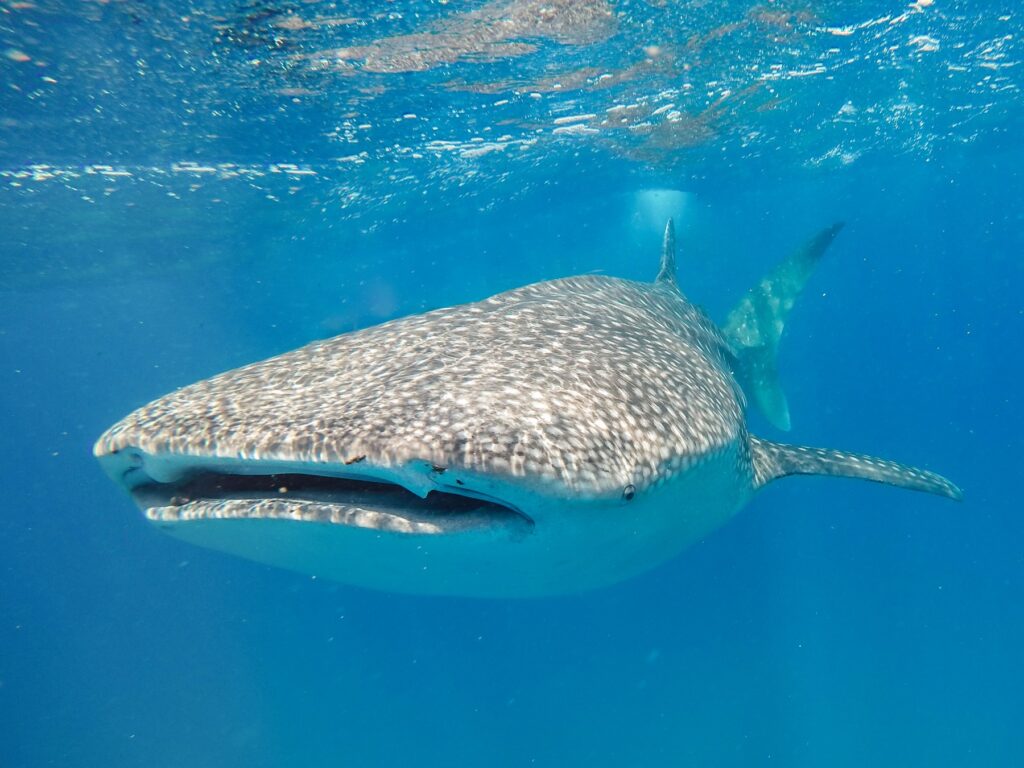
(628,492)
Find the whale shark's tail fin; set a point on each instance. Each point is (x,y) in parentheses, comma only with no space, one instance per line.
(774,460)
(755,325)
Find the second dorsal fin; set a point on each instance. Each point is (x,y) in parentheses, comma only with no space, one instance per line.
(667,271)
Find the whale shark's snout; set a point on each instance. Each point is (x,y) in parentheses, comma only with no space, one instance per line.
(548,439)
(371,519)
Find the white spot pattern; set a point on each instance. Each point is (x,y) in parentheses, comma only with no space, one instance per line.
(587,383)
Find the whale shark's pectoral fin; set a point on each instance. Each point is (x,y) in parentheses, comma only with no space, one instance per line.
(667,271)
(755,326)
(774,460)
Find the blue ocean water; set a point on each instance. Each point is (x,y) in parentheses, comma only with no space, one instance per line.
(185,188)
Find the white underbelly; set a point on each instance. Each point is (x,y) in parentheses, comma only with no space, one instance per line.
(572,547)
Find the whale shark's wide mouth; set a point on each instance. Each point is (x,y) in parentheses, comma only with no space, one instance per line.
(205,494)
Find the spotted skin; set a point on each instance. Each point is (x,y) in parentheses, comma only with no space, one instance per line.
(587,383)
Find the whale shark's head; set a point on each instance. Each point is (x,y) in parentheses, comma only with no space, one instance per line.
(495,444)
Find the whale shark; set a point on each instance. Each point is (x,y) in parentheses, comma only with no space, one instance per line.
(553,438)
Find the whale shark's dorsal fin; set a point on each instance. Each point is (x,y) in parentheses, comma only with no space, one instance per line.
(755,325)
(667,271)
(774,460)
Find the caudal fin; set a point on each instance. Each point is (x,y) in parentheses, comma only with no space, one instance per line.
(774,460)
(755,326)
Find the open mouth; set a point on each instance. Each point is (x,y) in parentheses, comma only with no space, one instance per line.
(383,506)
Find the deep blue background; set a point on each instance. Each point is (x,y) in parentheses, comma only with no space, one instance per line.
(831,623)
